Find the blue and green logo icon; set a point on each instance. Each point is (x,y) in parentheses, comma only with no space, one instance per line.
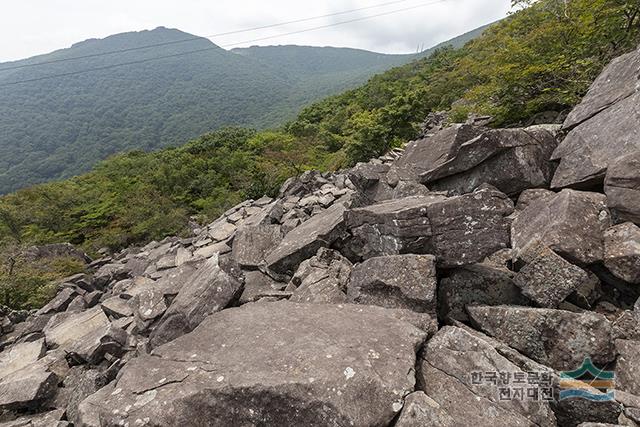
(587,382)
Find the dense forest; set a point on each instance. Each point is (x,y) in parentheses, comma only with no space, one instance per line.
(57,128)
(540,59)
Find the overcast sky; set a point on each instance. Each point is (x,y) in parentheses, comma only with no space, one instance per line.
(31,27)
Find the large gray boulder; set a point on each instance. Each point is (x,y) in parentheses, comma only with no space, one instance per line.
(396,281)
(476,284)
(628,366)
(457,230)
(88,335)
(322,279)
(622,252)
(25,382)
(27,388)
(304,241)
(548,280)
(431,153)
(257,285)
(21,355)
(606,125)
(618,81)
(209,290)
(270,364)
(390,228)
(511,160)
(253,243)
(556,338)
(572,224)
(445,374)
(622,187)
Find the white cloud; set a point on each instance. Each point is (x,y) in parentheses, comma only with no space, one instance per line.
(30,27)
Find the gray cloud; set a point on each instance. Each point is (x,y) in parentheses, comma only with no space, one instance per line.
(39,26)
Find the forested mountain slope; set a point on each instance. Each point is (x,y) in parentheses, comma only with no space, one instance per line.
(56,128)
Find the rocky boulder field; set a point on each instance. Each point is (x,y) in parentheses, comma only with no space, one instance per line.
(457,282)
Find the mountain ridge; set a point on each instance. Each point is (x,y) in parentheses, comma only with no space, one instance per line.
(57,128)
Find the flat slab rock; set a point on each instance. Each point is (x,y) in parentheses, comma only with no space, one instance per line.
(322,279)
(607,126)
(572,224)
(270,364)
(88,334)
(304,241)
(458,230)
(511,160)
(396,281)
(433,152)
(556,338)
(549,279)
(453,399)
(618,81)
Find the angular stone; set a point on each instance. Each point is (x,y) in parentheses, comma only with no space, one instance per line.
(622,252)
(458,230)
(306,183)
(46,419)
(166,262)
(433,152)
(77,304)
(258,284)
(467,229)
(527,197)
(304,241)
(253,243)
(556,338)
(618,81)
(89,334)
(322,279)
(549,279)
(476,284)
(208,290)
(571,224)
(109,273)
(117,307)
(605,125)
(421,410)
(445,375)
(369,180)
(315,363)
(569,412)
(20,355)
(622,187)
(59,303)
(222,231)
(27,388)
(209,251)
(183,256)
(593,146)
(396,281)
(512,160)
(628,366)
(77,385)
